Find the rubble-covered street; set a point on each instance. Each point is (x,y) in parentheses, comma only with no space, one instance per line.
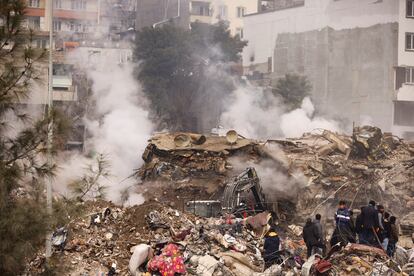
(178,231)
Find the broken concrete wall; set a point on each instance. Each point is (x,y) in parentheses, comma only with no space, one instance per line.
(351,70)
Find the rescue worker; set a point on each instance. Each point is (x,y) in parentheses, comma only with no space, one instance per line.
(342,233)
(394,233)
(310,237)
(271,254)
(369,219)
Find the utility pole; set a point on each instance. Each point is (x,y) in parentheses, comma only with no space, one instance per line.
(50,128)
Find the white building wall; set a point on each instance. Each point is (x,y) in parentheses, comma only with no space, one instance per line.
(231,14)
(406,25)
(261,30)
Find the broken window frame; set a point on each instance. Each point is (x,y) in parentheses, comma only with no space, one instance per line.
(409,41)
(409,9)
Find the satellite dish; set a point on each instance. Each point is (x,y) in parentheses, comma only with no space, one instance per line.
(182,140)
(231,136)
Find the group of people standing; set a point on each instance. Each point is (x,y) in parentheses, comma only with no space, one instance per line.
(373,226)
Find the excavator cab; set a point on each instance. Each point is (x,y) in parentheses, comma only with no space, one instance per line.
(243,195)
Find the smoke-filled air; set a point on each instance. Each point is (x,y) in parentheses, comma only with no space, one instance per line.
(207,137)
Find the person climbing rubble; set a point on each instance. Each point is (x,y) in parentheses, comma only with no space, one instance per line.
(370,224)
(394,233)
(343,232)
(271,247)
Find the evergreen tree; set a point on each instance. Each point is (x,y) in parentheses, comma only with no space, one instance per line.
(23,221)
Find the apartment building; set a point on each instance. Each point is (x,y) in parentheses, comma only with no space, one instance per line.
(403,115)
(358,55)
(153,13)
(231,11)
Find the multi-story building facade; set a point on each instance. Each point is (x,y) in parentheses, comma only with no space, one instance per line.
(153,13)
(231,11)
(91,27)
(358,54)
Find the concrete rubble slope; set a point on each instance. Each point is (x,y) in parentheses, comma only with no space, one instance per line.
(206,246)
(366,165)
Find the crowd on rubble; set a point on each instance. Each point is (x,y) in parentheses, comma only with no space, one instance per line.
(373,226)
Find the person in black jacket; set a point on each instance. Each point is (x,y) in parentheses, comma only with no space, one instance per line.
(369,219)
(271,254)
(394,233)
(387,230)
(311,237)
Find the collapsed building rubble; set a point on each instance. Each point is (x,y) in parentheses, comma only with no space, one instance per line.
(368,163)
(184,173)
(155,238)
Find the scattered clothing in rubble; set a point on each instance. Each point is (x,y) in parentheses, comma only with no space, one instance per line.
(59,238)
(169,263)
(271,248)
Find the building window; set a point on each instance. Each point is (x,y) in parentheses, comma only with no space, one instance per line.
(33,3)
(41,43)
(78,4)
(223,12)
(33,23)
(409,75)
(57,25)
(409,41)
(239,32)
(57,4)
(240,11)
(200,8)
(410,8)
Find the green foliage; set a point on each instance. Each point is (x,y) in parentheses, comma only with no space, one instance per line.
(292,89)
(183,71)
(90,185)
(23,221)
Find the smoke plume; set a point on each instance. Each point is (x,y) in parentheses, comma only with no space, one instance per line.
(256,113)
(119,127)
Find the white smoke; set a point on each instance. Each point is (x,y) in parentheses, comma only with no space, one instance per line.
(301,120)
(253,113)
(256,113)
(121,128)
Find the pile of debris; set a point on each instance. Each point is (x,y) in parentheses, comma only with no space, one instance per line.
(367,164)
(178,156)
(153,238)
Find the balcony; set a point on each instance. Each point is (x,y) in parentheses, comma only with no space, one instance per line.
(63,89)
